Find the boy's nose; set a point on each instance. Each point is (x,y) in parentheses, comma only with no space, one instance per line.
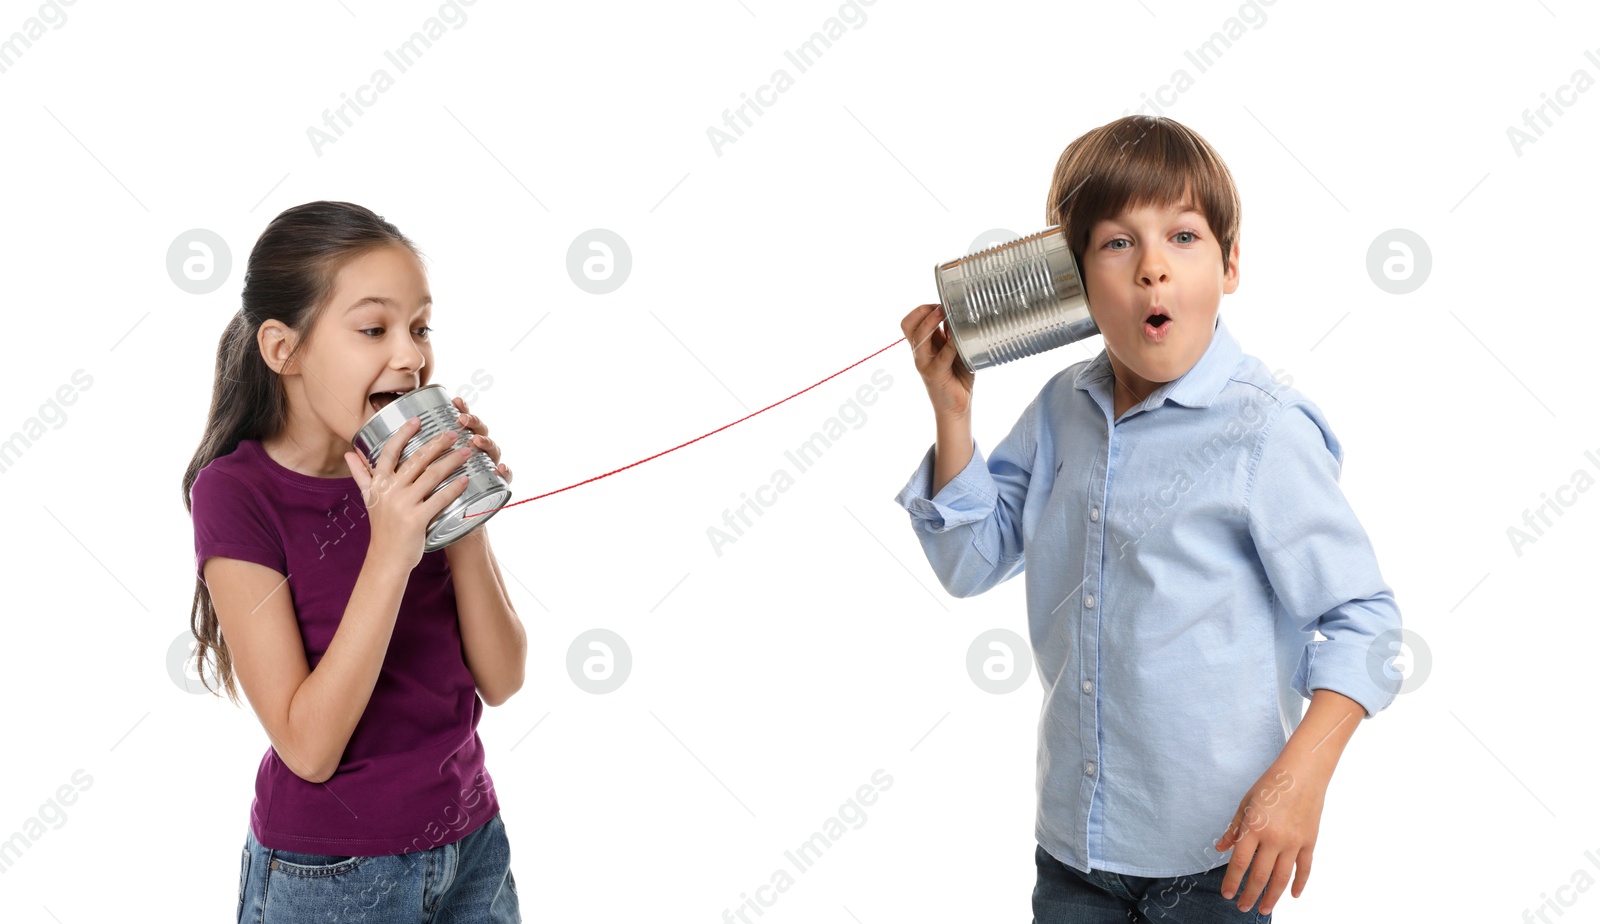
(1152,268)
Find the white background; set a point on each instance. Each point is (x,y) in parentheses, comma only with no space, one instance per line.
(771,681)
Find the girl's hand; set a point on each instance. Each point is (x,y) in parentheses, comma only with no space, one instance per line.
(480,437)
(398,498)
(943,373)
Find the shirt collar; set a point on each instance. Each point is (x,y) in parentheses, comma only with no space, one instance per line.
(1196,388)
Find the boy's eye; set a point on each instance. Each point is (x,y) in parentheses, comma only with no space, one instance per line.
(422,332)
(1122,240)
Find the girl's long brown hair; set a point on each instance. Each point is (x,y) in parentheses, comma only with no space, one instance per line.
(289,278)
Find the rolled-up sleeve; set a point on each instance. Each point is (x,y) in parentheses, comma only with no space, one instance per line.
(971,530)
(1320,561)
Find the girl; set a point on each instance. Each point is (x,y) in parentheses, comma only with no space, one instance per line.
(367,660)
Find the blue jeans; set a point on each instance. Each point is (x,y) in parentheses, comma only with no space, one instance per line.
(469,880)
(1064,895)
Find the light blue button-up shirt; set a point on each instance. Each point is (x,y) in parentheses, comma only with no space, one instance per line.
(1181,557)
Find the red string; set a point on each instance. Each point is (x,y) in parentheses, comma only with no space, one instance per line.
(696,439)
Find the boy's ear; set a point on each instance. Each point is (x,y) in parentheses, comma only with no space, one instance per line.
(1230,277)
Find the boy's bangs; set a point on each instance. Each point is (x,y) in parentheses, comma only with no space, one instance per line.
(1140,162)
(1157,170)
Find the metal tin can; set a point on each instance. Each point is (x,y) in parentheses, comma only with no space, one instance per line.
(1014,299)
(486,491)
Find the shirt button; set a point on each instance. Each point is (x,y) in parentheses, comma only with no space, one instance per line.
(1089,768)
(1094,515)
(1088,687)
(1088,600)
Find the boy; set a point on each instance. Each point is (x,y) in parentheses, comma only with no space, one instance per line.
(1181,512)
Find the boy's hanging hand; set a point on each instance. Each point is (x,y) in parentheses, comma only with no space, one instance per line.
(1273,834)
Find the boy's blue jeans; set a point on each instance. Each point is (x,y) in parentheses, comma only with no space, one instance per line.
(469,880)
(1063,895)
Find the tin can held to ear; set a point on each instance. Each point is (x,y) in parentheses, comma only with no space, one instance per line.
(1013,300)
(486,491)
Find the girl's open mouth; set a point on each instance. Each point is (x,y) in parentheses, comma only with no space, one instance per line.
(382,400)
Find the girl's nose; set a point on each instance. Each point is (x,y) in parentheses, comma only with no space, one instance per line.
(410,357)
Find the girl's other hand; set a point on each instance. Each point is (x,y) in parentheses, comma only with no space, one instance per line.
(480,438)
(397,497)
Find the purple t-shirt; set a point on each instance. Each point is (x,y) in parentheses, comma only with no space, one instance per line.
(412,776)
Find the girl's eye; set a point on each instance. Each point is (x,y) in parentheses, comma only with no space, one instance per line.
(421,331)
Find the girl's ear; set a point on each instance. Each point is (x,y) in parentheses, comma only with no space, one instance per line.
(276,343)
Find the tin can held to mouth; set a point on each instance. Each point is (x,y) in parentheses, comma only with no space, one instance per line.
(486,491)
(1014,299)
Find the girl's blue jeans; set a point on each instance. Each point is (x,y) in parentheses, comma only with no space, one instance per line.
(469,880)
(1064,895)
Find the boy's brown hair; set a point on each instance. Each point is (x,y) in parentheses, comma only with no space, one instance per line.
(1137,161)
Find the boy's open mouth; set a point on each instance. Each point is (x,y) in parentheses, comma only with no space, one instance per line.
(382,399)
(1157,320)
